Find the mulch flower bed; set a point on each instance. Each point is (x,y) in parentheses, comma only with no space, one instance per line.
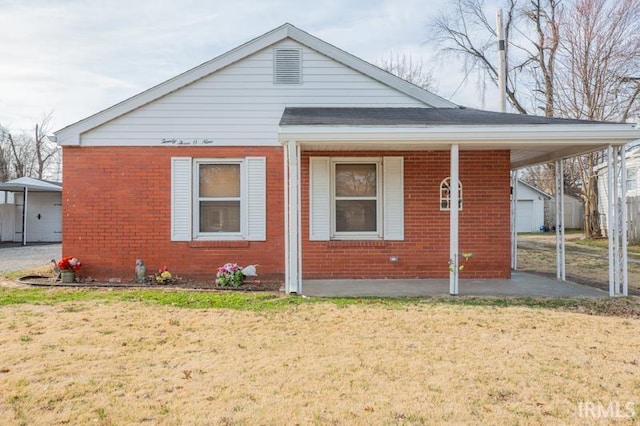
(253,285)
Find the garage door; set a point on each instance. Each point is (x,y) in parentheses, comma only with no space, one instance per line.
(524,216)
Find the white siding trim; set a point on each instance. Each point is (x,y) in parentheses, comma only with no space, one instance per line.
(319,199)
(181,198)
(393,196)
(256,198)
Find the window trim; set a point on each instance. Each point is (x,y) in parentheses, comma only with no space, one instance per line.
(378,234)
(445,201)
(633,179)
(196,199)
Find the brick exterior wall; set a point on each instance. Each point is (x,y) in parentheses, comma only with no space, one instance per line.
(484,222)
(117,207)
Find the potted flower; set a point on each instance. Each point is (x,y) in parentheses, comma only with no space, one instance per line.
(232,274)
(163,276)
(68,267)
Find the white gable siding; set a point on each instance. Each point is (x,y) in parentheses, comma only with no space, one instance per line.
(240,105)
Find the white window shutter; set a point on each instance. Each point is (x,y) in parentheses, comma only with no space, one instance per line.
(319,199)
(393,194)
(181,198)
(256,198)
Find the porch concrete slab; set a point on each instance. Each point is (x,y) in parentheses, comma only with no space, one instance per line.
(520,285)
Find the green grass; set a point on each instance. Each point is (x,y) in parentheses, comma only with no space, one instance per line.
(604,243)
(278,302)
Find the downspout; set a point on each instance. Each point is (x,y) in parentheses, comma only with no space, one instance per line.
(25,196)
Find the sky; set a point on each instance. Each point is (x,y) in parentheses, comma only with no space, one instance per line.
(73,58)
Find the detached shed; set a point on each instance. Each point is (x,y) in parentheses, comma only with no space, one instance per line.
(35,214)
(530,207)
(573,213)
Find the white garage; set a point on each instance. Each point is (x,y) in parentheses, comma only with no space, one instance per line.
(34,213)
(529,207)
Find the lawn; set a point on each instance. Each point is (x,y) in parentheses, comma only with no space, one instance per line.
(586,260)
(156,357)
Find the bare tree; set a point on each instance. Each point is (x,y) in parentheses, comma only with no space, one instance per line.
(45,150)
(576,59)
(405,67)
(5,156)
(465,31)
(599,52)
(22,154)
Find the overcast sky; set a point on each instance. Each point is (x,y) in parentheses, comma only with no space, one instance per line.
(77,57)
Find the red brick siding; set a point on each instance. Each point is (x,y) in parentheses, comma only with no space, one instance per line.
(484,222)
(117,207)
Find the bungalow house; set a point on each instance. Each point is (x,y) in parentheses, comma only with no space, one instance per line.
(292,154)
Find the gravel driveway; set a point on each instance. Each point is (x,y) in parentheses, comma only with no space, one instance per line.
(15,257)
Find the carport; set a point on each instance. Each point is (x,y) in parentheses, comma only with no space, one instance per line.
(28,185)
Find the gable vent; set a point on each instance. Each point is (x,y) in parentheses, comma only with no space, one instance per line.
(287,66)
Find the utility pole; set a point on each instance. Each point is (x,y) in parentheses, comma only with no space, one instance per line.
(502,67)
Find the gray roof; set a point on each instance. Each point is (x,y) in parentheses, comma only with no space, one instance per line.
(413,117)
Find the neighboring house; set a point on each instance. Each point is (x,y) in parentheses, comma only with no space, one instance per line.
(573,213)
(530,208)
(43,218)
(292,154)
(632,181)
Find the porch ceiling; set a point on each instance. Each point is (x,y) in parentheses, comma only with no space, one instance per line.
(531,140)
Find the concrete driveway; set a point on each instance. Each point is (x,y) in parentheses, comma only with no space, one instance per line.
(14,257)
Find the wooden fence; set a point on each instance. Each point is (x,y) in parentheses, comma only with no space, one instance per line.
(633,219)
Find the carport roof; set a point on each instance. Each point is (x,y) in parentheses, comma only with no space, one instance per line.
(32,184)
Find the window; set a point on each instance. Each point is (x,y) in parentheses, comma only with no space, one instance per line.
(356,207)
(632,179)
(445,194)
(218,199)
(353,198)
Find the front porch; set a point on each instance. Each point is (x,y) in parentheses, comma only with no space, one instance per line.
(520,285)
(416,154)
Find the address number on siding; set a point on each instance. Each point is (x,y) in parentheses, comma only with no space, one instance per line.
(174,141)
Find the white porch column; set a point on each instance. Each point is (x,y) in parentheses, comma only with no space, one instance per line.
(617,221)
(514,220)
(25,196)
(453,221)
(560,239)
(293,281)
(610,221)
(623,221)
